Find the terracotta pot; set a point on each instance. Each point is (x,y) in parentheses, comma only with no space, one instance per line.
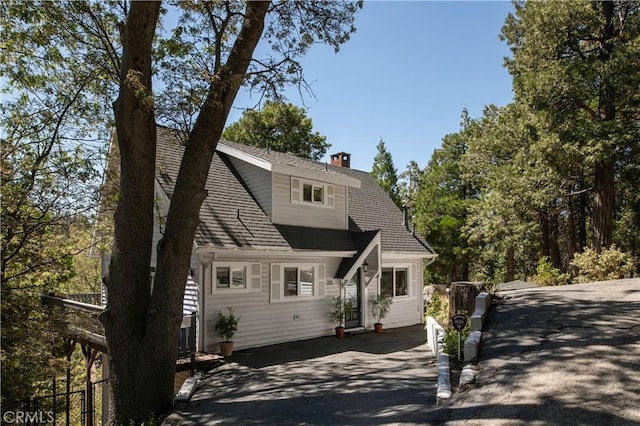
(339,331)
(377,327)
(226,348)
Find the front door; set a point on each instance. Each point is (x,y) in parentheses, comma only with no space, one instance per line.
(353,297)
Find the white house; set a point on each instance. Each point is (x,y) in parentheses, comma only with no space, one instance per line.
(279,236)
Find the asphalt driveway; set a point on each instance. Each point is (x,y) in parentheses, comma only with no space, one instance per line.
(567,355)
(361,379)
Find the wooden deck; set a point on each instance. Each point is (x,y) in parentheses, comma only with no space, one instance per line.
(81,324)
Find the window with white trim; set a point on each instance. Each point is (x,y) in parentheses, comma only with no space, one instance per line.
(394,281)
(235,276)
(290,282)
(304,191)
(298,281)
(231,276)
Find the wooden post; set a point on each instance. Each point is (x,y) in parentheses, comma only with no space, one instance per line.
(462,297)
(89,356)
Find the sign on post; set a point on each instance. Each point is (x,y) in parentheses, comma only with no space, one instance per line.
(458,322)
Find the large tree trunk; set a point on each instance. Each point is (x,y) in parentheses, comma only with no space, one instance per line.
(554,246)
(545,248)
(604,198)
(131,356)
(511,264)
(141,326)
(583,203)
(572,238)
(603,206)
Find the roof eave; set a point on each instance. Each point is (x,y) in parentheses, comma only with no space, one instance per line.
(208,253)
(287,169)
(391,255)
(335,178)
(241,155)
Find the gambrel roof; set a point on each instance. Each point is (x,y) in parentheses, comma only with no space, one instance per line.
(231,217)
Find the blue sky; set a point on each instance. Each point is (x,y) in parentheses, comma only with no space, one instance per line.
(404,77)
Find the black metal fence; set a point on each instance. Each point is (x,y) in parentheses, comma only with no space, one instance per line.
(58,409)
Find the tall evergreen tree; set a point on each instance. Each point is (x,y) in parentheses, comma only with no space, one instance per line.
(385,173)
(581,70)
(519,195)
(410,184)
(442,207)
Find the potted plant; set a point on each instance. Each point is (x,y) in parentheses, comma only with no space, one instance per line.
(379,309)
(339,310)
(226,326)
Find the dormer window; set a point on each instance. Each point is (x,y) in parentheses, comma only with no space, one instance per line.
(312,193)
(305,191)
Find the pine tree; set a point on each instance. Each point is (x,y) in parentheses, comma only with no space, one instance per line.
(385,173)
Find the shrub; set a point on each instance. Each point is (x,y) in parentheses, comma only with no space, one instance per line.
(450,341)
(439,308)
(380,307)
(227,325)
(611,264)
(547,274)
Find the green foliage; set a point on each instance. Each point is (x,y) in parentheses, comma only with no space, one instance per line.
(611,264)
(450,340)
(385,173)
(547,275)
(380,307)
(53,260)
(575,65)
(48,181)
(227,325)
(61,64)
(193,53)
(438,308)
(279,126)
(410,185)
(340,308)
(442,207)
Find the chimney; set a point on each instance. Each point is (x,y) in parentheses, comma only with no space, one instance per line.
(341,159)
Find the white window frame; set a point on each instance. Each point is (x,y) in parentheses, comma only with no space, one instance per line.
(395,267)
(299,283)
(318,286)
(297,192)
(246,267)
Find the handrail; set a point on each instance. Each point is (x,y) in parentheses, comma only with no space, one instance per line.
(70,304)
(186,335)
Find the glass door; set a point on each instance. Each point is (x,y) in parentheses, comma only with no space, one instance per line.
(353,300)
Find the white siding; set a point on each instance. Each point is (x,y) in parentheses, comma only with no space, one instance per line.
(264,323)
(259,182)
(406,311)
(159,219)
(190,301)
(287,213)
